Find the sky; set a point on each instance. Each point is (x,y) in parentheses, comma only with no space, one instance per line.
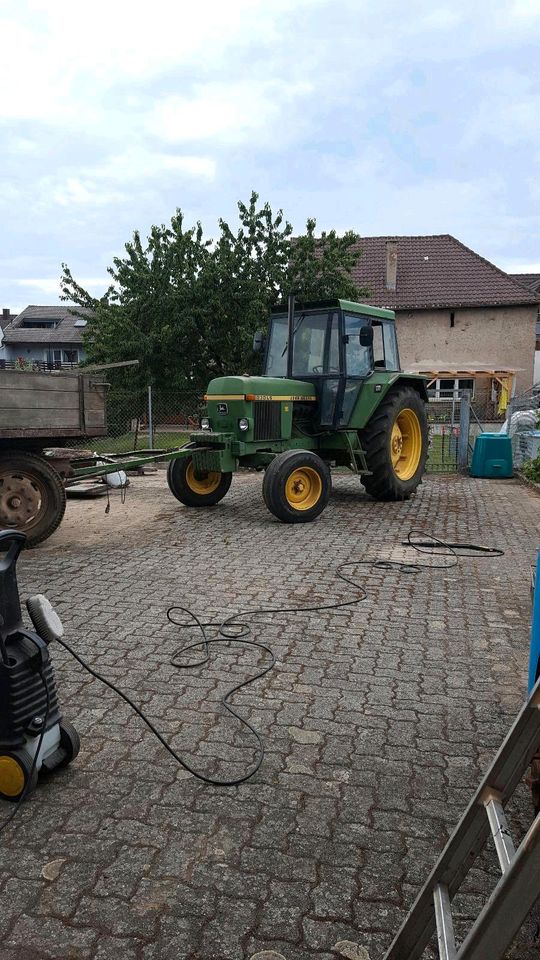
(375,115)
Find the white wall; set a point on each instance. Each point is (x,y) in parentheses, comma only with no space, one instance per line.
(537,366)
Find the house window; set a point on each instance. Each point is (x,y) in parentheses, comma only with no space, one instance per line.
(449,388)
(70,356)
(39,324)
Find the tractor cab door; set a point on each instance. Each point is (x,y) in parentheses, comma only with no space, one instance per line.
(361,361)
(317,357)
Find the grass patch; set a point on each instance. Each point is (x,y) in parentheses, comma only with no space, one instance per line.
(124,443)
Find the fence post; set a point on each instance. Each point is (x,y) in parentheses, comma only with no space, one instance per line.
(464,426)
(150,420)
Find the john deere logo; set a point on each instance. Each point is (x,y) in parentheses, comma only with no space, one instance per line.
(222,408)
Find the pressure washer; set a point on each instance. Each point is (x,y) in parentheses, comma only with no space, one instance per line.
(33,736)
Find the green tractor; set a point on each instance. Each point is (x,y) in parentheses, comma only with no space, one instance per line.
(332,394)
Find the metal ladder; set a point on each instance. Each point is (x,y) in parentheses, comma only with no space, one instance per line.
(519,886)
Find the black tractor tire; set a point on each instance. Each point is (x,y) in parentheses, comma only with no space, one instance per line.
(70,742)
(391,480)
(16,775)
(183,484)
(32,495)
(297,486)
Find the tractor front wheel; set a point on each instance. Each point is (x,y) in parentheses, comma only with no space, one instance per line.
(196,489)
(395,442)
(296,486)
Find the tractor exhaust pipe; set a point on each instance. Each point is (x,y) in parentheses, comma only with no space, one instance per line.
(290,320)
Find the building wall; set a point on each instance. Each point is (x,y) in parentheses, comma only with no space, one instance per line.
(496,336)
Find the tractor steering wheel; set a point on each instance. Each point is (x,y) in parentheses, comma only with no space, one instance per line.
(318,368)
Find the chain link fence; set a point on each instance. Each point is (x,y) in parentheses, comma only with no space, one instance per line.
(160,419)
(143,419)
(450,416)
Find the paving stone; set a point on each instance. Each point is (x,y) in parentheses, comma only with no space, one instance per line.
(378,722)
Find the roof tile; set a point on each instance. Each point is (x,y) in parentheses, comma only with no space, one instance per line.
(435,272)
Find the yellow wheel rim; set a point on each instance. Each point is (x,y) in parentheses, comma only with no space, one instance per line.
(406,444)
(303,488)
(11,777)
(206,485)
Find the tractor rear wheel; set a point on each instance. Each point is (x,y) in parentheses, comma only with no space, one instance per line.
(296,486)
(395,442)
(196,489)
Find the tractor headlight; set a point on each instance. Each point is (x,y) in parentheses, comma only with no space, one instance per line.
(243,423)
(205,423)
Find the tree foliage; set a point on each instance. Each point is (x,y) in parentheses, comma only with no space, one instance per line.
(187,307)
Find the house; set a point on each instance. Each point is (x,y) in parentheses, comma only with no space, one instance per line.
(461,320)
(48,337)
(531,281)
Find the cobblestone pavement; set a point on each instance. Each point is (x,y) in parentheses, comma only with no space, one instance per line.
(378,721)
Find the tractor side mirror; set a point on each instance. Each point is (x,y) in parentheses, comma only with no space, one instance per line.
(366,336)
(259,341)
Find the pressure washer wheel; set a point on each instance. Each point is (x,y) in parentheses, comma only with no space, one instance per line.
(15,774)
(296,486)
(196,489)
(69,742)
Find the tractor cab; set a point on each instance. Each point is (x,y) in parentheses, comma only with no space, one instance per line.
(334,344)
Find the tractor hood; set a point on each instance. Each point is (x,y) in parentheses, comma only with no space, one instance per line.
(259,388)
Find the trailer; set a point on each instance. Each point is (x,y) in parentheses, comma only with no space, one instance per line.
(38,412)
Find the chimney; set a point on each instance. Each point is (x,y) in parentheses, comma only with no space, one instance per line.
(6,313)
(390,277)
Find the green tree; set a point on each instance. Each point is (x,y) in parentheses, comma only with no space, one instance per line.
(187,307)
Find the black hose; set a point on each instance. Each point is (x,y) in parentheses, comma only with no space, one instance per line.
(235,629)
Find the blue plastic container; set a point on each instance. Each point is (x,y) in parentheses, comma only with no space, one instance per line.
(534,658)
(492,456)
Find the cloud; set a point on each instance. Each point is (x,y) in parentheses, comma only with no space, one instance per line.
(50,285)
(347,111)
(516,267)
(138,163)
(227,112)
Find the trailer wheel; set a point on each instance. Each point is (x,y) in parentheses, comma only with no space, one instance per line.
(32,496)
(296,486)
(395,442)
(194,490)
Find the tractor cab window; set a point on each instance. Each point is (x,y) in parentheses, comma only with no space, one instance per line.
(357,357)
(310,337)
(391,354)
(378,344)
(276,360)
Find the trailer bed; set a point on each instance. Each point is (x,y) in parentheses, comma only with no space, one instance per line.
(46,406)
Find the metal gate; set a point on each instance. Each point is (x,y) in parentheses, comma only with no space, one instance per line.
(444,431)
(454,424)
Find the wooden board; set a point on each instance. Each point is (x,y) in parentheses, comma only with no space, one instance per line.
(51,405)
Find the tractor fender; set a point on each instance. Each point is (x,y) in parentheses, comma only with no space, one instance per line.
(376,387)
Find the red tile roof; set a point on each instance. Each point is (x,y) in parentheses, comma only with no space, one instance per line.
(531,281)
(435,272)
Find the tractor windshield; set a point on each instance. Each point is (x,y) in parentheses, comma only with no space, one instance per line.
(315,345)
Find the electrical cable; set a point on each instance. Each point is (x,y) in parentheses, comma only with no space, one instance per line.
(235,629)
